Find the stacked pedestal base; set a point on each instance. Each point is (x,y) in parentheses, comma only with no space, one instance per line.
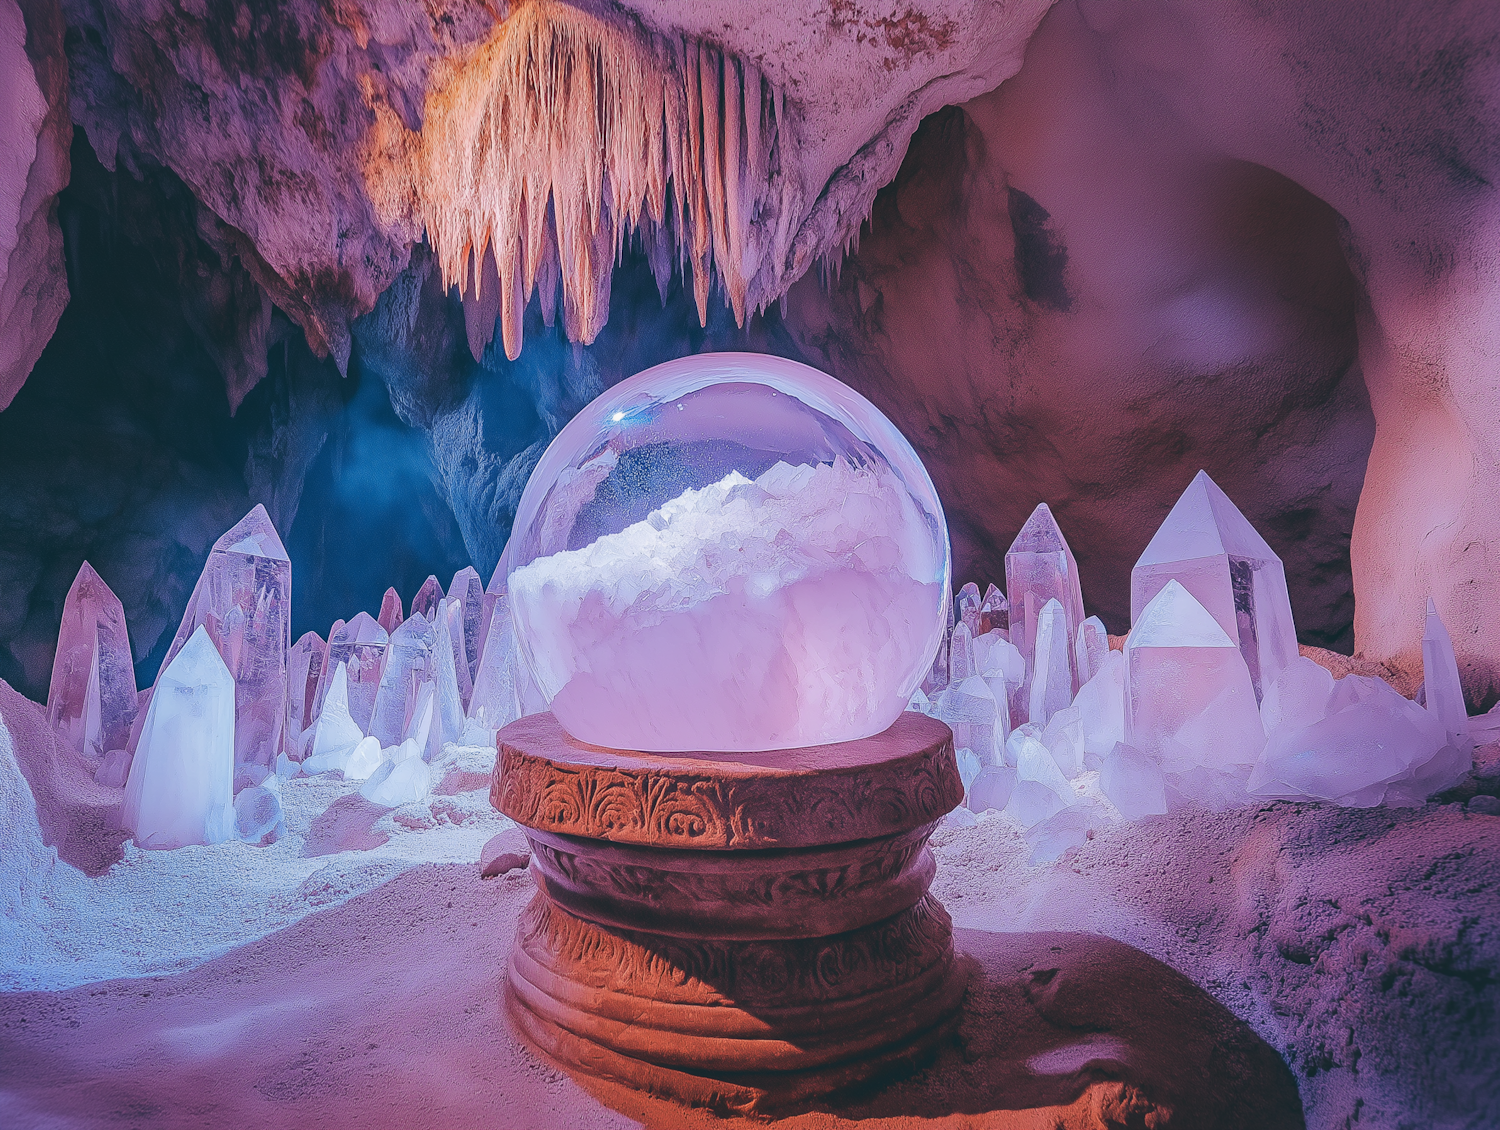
(734,933)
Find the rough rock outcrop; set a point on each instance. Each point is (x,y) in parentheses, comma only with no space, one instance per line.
(35,131)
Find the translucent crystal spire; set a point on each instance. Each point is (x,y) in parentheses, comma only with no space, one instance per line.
(428,597)
(1188,698)
(91,702)
(1090,648)
(961,653)
(449,708)
(359,645)
(1052,676)
(468,590)
(1210,548)
(495,702)
(452,608)
(1040,567)
(1444,693)
(969,603)
(994,612)
(408,665)
(304,673)
(181,785)
(244,600)
(391,614)
(336,733)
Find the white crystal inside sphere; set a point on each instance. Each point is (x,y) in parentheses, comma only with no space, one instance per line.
(729,552)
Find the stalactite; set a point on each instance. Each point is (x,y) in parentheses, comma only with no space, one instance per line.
(567,135)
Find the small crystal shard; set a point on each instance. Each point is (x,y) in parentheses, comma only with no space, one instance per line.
(391,615)
(998,660)
(304,673)
(1208,547)
(1444,692)
(1052,672)
(257,814)
(1060,833)
(1133,783)
(992,788)
(1090,648)
(427,599)
(972,714)
(1064,740)
(396,783)
(92,701)
(363,759)
(495,702)
(244,600)
(360,645)
(1039,567)
(181,785)
(114,770)
(1188,698)
(1297,697)
(453,610)
(336,734)
(961,654)
(968,605)
(994,613)
(468,590)
(408,665)
(1041,791)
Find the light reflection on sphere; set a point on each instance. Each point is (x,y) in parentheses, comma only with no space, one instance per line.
(728,552)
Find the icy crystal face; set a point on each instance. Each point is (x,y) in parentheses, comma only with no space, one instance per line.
(391,615)
(969,602)
(92,701)
(468,590)
(495,702)
(428,596)
(359,645)
(408,665)
(244,601)
(1208,547)
(1039,567)
(728,552)
(1188,698)
(305,672)
(181,785)
(1051,677)
(1444,692)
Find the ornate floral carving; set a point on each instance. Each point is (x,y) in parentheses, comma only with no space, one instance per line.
(658,801)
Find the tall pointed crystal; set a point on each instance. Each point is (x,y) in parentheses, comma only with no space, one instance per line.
(1040,567)
(449,709)
(1188,698)
(1209,547)
(335,734)
(1090,648)
(391,615)
(961,653)
(1444,692)
(468,590)
(969,602)
(181,785)
(453,609)
(1051,678)
(91,702)
(408,665)
(427,599)
(305,672)
(994,613)
(360,645)
(495,702)
(244,600)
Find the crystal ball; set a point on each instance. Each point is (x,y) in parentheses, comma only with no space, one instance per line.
(728,552)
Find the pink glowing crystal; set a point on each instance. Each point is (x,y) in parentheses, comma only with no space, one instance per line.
(305,672)
(243,600)
(408,665)
(360,645)
(1208,547)
(92,700)
(427,599)
(1040,567)
(391,614)
(181,785)
(468,590)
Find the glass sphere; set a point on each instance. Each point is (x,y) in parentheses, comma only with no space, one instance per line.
(729,552)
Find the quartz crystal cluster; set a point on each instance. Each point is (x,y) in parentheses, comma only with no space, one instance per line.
(235,710)
(1207,703)
(729,552)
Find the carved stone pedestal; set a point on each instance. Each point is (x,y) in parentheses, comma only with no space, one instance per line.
(733,930)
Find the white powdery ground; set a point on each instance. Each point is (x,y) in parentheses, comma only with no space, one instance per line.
(160,912)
